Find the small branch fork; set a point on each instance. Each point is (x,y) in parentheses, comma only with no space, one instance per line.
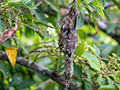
(40,69)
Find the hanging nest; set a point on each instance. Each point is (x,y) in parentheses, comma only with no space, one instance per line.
(68,41)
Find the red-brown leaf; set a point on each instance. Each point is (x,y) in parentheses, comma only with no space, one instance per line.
(8,33)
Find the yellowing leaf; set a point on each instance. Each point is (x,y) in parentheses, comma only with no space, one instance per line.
(13,43)
(11,53)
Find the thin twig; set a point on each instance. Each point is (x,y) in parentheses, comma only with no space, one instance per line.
(39,3)
(26,25)
(42,84)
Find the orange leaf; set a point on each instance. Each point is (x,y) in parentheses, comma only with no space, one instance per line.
(11,53)
(8,33)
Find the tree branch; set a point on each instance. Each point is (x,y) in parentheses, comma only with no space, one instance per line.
(40,69)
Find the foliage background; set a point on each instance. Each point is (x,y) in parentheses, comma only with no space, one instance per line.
(38,31)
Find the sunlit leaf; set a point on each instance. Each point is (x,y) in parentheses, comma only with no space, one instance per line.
(80,49)
(81,34)
(93,61)
(13,2)
(98,6)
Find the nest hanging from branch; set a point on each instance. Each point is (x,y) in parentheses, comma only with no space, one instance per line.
(68,41)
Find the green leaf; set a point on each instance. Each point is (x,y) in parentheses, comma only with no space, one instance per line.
(44,61)
(102,2)
(116,77)
(111,85)
(116,3)
(110,81)
(2,26)
(4,69)
(47,35)
(108,87)
(93,61)
(98,6)
(80,21)
(25,50)
(33,12)
(110,27)
(9,19)
(13,2)
(25,83)
(94,7)
(59,62)
(87,86)
(16,80)
(40,17)
(77,71)
(52,5)
(80,49)
(97,53)
(106,15)
(100,81)
(61,2)
(81,34)
(7,44)
(25,1)
(89,75)
(30,5)
(106,49)
(29,32)
(89,47)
